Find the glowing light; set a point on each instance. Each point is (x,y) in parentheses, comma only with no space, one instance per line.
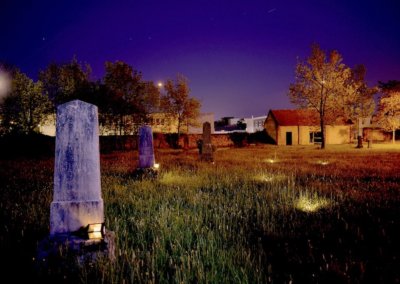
(323,162)
(310,204)
(156,166)
(160,84)
(95,231)
(271,161)
(95,235)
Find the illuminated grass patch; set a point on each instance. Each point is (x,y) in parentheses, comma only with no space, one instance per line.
(310,204)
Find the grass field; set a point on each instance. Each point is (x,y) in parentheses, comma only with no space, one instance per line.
(261,214)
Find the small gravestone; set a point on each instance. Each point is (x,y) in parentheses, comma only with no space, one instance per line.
(146,149)
(147,167)
(359,142)
(206,146)
(186,142)
(77,210)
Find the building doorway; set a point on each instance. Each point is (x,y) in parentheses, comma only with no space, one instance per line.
(288,138)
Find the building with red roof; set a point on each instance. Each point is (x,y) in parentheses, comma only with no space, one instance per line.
(302,127)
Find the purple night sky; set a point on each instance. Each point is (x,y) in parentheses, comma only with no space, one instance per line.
(239,56)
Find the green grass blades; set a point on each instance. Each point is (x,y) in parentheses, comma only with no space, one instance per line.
(311,216)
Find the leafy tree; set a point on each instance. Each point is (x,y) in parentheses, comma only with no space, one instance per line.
(320,84)
(389,107)
(66,82)
(177,103)
(129,99)
(360,98)
(26,106)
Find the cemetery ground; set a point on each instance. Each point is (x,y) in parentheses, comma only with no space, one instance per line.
(262,214)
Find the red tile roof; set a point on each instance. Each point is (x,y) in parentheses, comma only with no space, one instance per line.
(301,117)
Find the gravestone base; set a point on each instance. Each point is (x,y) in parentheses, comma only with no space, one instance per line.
(359,142)
(207,153)
(69,251)
(69,216)
(145,173)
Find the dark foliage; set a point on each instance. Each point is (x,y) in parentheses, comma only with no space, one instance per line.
(26,146)
(239,139)
(260,137)
(173,140)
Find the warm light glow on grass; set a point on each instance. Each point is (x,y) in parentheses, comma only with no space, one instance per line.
(310,204)
(271,161)
(180,179)
(269,177)
(156,166)
(322,162)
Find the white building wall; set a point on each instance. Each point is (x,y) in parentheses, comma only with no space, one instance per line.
(255,124)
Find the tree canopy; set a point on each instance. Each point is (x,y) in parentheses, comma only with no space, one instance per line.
(178,104)
(26,107)
(128,98)
(68,81)
(389,107)
(324,83)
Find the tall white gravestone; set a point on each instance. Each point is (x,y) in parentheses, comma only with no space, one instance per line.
(77,198)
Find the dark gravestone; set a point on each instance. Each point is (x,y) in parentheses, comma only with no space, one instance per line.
(147,167)
(206,146)
(146,149)
(359,142)
(186,142)
(76,213)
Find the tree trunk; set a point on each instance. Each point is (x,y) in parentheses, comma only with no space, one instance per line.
(394,136)
(179,132)
(322,124)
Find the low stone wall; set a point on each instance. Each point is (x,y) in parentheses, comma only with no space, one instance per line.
(219,140)
(161,141)
(376,134)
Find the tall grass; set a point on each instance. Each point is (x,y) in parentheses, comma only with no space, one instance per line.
(311,216)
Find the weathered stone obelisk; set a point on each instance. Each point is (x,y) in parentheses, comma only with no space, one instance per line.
(77,198)
(76,213)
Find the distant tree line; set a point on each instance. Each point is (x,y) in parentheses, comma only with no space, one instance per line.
(335,91)
(124,99)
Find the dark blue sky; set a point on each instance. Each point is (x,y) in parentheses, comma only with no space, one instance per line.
(239,56)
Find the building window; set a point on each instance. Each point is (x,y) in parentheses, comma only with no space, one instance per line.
(315,137)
